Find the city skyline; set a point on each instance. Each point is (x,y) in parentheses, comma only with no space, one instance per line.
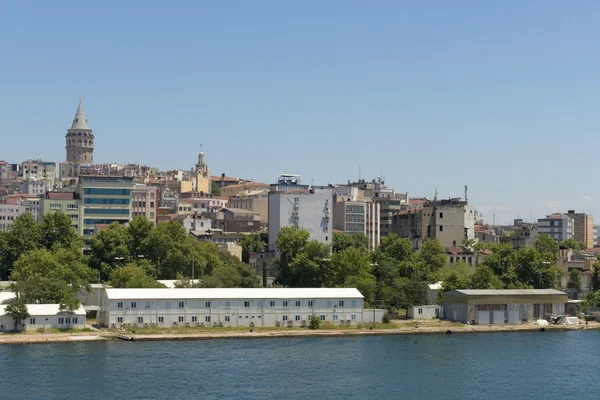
(432,97)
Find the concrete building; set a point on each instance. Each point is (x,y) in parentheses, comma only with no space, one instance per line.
(105,199)
(308,209)
(229,307)
(35,187)
(450,221)
(256,201)
(44,316)
(38,169)
(217,236)
(426,312)
(80,140)
(191,222)
(558,226)
(501,306)
(206,205)
(355,217)
(145,202)
(14,205)
(66,202)
(433,290)
(583,228)
(287,182)
(236,220)
(224,180)
(244,189)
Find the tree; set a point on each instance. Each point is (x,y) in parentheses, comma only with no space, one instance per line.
(138,230)
(251,243)
(574,282)
(215,189)
(290,241)
(264,274)
(17,310)
(408,293)
(595,279)
(484,278)
(433,257)
(132,276)
(364,283)
(386,318)
(395,248)
(351,261)
(110,249)
(56,229)
(51,277)
(570,243)
(533,270)
(310,268)
(24,236)
(315,322)
(547,247)
(342,241)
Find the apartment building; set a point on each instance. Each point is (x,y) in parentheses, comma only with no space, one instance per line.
(558,226)
(256,201)
(355,217)
(68,203)
(583,228)
(145,202)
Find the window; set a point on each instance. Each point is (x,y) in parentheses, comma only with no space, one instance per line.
(194,318)
(147,304)
(207,318)
(55,206)
(120,319)
(246,304)
(227,318)
(161,319)
(285,303)
(297,303)
(75,320)
(181,304)
(62,320)
(310,303)
(167,304)
(341,303)
(272,304)
(323,317)
(335,317)
(353,317)
(72,206)
(31,321)
(353,303)
(260,303)
(207,304)
(328,303)
(441,228)
(227,303)
(180,319)
(420,311)
(284,318)
(441,215)
(120,304)
(133,304)
(141,320)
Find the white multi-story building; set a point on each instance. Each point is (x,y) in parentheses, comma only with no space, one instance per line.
(13,206)
(35,187)
(558,226)
(230,307)
(308,209)
(145,202)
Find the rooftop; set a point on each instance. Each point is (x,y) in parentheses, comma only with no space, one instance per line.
(506,292)
(234,293)
(46,309)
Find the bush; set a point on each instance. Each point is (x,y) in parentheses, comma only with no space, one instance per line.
(41,330)
(315,322)
(386,318)
(596,316)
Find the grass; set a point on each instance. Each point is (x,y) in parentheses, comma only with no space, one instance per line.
(57,330)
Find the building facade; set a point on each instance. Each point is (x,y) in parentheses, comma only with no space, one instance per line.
(105,199)
(38,169)
(35,187)
(308,209)
(255,201)
(355,217)
(145,202)
(583,228)
(80,139)
(66,202)
(243,189)
(558,226)
(229,307)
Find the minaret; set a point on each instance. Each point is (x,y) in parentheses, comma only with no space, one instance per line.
(80,139)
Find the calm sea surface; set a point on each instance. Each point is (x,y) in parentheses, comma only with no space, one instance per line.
(549,365)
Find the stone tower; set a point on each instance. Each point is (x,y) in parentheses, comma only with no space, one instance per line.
(80,140)
(203,183)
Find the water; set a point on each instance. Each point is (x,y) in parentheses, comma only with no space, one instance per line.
(550,365)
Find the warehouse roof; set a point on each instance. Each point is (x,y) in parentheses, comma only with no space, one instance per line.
(234,293)
(46,309)
(504,292)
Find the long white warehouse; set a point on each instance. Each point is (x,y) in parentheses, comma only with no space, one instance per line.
(44,316)
(230,307)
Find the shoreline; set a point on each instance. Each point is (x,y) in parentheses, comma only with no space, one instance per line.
(423,330)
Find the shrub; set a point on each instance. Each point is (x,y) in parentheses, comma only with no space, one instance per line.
(41,330)
(315,322)
(386,318)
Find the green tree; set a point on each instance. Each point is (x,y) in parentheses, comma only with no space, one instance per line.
(575,282)
(570,243)
(595,279)
(51,277)
(408,293)
(547,247)
(215,189)
(138,230)
(170,248)
(251,243)
(386,318)
(351,261)
(17,310)
(132,275)
(264,274)
(315,322)
(534,270)
(461,268)
(56,229)
(24,236)
(342,241)
(290,242)
(433,257)
(310,268)
(110,249)
(365,283)
(484,278)
(394,248)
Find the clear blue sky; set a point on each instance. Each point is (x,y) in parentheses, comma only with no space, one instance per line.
(502,96)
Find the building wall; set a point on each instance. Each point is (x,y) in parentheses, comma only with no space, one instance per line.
(145,202)
(558,227)
(35,187)
(72,208)
(45,322)
(311,211)
(426,312)
(235,190)
(583,228)
(258,203)
(232,312)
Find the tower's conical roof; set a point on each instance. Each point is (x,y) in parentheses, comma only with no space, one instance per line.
(80,121)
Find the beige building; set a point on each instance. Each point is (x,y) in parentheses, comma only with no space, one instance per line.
(255,201)
(236,220)
(583,228)
(200,205)
(243,189)
(355,217)
(203,180)
(145,202)
(450,221)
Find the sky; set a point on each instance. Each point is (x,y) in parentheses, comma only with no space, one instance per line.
(499,96)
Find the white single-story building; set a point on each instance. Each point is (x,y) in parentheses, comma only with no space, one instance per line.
(44,316)
(432,292)
(230,307)
(425,312)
